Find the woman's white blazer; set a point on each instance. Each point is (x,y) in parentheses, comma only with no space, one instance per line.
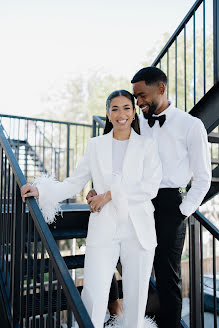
(131,195)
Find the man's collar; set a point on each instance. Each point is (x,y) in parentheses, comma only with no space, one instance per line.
(168,111)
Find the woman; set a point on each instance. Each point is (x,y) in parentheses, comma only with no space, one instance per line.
(126,173)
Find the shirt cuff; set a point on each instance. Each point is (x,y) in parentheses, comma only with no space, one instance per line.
(187,208)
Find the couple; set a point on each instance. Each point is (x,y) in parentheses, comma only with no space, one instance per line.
(126,171)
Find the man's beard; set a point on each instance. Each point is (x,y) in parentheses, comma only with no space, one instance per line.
(150,112)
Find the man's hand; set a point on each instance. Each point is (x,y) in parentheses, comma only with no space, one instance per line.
(91,193)
(97,202)
(29,191)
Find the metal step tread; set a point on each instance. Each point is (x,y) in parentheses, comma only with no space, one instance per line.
(18,141)
(213,137)
(28,306)
(215,161)
(63,302)
(214,179)
(72,262)
(69,234)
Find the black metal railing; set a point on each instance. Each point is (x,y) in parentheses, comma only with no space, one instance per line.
(214,147)
(35,282)
(190,60)
(46,145)
(200,299)
(191,56)
(98,125)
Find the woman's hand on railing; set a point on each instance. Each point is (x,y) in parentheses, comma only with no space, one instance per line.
(29,191)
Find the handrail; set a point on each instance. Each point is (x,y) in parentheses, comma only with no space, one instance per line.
(214,231)
(177,31)
(48,241)
(11,141)
(187,84)
(196,267)
(100,120)
(44,120)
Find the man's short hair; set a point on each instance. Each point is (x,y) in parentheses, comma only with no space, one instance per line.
(150,75)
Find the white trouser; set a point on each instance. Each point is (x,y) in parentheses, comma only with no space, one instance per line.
(100,263)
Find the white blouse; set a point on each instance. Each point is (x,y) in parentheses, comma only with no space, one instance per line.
(118,154)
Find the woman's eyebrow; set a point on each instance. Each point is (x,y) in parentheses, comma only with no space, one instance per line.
(115,106)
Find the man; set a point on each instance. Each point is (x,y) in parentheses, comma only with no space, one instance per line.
(183,150)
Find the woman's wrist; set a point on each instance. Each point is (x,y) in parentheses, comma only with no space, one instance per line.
(37,196)
(107,196)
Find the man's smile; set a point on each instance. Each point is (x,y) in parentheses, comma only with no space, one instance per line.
(144,108)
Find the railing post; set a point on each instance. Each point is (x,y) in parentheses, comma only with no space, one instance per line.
(68,147)
(216,39)
(16,257)
(94,127)
(55,164)
(25,160)
(194,265)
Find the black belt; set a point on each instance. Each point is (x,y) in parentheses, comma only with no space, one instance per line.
(180,190)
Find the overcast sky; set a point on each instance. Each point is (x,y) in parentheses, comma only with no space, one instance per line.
(43,40)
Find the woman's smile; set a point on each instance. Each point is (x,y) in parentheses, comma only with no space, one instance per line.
(122,122)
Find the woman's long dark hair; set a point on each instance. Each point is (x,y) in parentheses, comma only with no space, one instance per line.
(127,94)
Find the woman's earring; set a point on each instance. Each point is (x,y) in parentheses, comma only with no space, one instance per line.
(133,118)
(109,120)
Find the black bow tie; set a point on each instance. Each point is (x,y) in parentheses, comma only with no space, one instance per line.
(152,120)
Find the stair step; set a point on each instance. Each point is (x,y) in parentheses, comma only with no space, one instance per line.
(29,307)
(18,142)
(213,137)
(62,234)
(63,303)
(72,262)
(215,161)
(214,179)
(69,234)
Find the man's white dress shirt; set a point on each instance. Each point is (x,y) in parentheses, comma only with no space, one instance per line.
(184,153)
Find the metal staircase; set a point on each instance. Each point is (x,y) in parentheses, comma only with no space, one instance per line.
(45,146)
(27,155)
(36,288)
(34,279)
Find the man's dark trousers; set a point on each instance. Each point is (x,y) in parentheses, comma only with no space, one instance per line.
(170,229)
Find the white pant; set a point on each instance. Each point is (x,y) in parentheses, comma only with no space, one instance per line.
(100,263)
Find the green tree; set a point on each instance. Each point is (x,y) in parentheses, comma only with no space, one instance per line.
(99,87)
(185,98)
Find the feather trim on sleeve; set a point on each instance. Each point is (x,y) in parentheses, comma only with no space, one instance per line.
(116,322)
(48,197)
